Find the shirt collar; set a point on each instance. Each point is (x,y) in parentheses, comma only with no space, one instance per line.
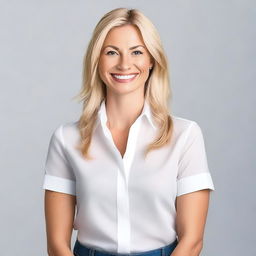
(146,111)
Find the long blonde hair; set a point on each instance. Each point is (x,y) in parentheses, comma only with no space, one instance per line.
(157,89)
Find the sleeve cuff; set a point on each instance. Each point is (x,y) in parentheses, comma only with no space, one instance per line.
(195,182)
(59,184)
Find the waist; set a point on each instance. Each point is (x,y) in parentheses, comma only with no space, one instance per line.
(82,250)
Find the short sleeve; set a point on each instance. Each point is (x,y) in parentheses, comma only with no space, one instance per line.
(58,174)
(193,171)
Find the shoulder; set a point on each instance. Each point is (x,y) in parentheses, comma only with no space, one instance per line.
(69,127)
(185,127)
(66,132)
(182,124)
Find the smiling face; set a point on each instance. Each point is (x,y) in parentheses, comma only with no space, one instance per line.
(124,60)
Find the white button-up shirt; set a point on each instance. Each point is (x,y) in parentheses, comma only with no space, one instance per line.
(127,204)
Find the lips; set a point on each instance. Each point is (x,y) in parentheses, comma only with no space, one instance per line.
(124,78)
(120,74)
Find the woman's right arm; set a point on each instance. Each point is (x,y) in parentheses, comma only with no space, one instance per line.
(59,218)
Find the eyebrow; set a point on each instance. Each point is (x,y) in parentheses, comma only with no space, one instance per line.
(131,48)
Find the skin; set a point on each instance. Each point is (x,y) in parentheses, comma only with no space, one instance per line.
(59,218)
(191,209)
(124,101)
(124,104)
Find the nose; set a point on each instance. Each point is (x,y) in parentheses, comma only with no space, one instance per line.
(124,63)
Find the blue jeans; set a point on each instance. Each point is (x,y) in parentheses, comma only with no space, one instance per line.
(81,250)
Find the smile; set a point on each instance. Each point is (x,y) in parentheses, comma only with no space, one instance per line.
(124,78)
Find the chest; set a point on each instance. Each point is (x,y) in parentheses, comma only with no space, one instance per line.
(148,178)
(120,139)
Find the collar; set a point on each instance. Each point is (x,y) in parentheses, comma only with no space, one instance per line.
(146,111)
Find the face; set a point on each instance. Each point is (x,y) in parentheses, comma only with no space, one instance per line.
(124,60)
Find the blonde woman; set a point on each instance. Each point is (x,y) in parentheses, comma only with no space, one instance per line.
(131,177)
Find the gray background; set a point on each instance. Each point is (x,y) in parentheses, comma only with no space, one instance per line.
(211,51)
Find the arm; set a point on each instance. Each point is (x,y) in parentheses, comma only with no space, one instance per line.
(191,217)
(59,217)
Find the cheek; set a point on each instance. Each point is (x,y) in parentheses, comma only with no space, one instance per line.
(106,63)
(102,64)
(143,65)
(102,70)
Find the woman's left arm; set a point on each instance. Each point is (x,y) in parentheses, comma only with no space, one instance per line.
(192,209)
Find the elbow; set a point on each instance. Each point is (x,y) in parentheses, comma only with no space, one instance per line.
(197,247)
(49,252)
(58,250)
(194,246)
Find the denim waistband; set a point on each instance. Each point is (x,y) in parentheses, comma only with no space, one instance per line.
(82,250)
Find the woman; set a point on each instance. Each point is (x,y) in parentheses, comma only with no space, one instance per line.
(137,175)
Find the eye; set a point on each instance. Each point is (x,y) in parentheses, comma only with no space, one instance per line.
(113,52)
(139,52)
(110,52)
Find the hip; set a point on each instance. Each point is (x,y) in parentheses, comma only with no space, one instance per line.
(82,250)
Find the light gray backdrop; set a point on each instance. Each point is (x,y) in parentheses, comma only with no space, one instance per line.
(211,51)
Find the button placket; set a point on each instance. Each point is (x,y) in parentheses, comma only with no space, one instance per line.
(123,211)
(131,147)
(124,229)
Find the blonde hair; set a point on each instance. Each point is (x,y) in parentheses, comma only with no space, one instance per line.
(157,89)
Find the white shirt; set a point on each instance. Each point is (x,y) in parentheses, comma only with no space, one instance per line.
(127,204)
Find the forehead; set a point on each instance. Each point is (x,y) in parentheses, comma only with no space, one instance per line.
(126,35)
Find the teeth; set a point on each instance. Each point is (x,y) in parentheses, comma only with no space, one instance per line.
(124,77)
